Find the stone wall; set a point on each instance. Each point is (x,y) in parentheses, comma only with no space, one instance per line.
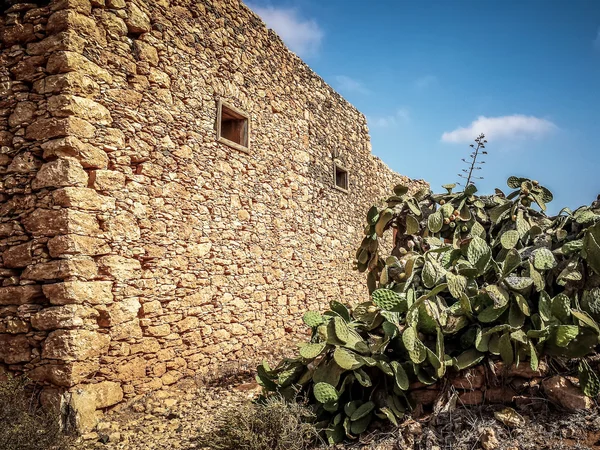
(136,249)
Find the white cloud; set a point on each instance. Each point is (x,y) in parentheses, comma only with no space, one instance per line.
(401,116)
(347,84)
(303,36)
(516,126)
(426,81)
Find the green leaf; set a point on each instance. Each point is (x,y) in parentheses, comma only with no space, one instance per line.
(491,314)
(565,334)
(509,239)
(506,349)
(478,230)
(511,262)
(498,294)
(400,190)
(518,283)
(591,247)
(346,359)
(400,375)
(325,393)
(522,304)
(384,219)
(515,182)
(588,379)
(362,411)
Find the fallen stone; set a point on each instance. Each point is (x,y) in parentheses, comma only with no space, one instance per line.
(560,390)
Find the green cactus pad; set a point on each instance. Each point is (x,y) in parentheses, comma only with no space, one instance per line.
(498,294)
(479,253)
(543,259)
(456,284)
(362,411)
(509,239)
(312,319)
(360,426)
(325,393)
(387,299)
(400,375)
(590,384)
(347,359)
(311,351)
(561,308)
(435,222)
(506,349)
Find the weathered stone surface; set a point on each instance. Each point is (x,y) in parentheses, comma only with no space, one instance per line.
(122,227)
(123,311)
(82,198)
(60,270)
(74,345)
(43,129)
(119,267)
(504,394)
(107,180)
(89,156)
(73,244)
(83,405)
(65,374)
(69,20)
(137,20)
(24,162)
(81,6)
(471,397)
(23,114)
(14,349)
(20,295)
(60,173)
(63,317)
(20,33)
(78,83)
(469,379)
(64,62)
(66,40)
(105,393)
(52,222)
(145,52)
(71,105)
(425,396)
(29,68)
(562,391)
(78,292)
(132,370)
(18,256)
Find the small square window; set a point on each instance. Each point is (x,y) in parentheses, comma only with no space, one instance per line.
(233,127)
(340,178)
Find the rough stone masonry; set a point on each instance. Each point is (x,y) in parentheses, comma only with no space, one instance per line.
(136,247)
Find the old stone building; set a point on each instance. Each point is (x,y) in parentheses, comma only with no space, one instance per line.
(177,188)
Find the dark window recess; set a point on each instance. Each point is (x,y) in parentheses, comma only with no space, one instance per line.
(341,178)
(233,126)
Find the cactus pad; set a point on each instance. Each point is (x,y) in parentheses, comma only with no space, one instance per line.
(325,393)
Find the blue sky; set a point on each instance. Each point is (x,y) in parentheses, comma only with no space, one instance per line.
(431,75)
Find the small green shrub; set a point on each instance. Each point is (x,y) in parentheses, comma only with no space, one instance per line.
(273,424)
(470,277)
(23,424)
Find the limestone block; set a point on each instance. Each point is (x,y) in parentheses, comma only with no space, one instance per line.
(63,317)
(119,267)
(66,40)
(82,403)
(131,370)
(137,20)
(147,345)
(89,156)
(112,23)
(24,162)
(74,345)
(64,62)
(171,377)
(29,69)
(124,97)
(126,331)
(52,222)
(81,6)
(14,349)
(23,114)
(19,33)
(60,270)
(159,330)
(78,292)
(61,172)
(69,20)
(107,180)
(74,244)
(473,378)
(123,311)
(145,52)
(105,393)
(562,391)
(43,129)
(82,198)
(122,226)
(20,295)
(154,307)
(78,83)
(18,256)
(71,105)
(116,4)
(66,374)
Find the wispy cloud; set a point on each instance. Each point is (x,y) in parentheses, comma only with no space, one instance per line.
(303,36)
(516,126)
(597,40)
(347,84)
(426,81)
(401,116)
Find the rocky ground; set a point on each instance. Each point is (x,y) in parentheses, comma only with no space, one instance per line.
(172,419)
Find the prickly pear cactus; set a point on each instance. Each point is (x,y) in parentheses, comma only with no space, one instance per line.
(470,277)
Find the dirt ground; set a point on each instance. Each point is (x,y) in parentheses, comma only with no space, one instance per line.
(173,418)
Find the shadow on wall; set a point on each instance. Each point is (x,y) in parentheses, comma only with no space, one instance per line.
(5,4)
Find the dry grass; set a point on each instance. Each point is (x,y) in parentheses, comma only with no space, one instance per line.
(23,424)
(272,425)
